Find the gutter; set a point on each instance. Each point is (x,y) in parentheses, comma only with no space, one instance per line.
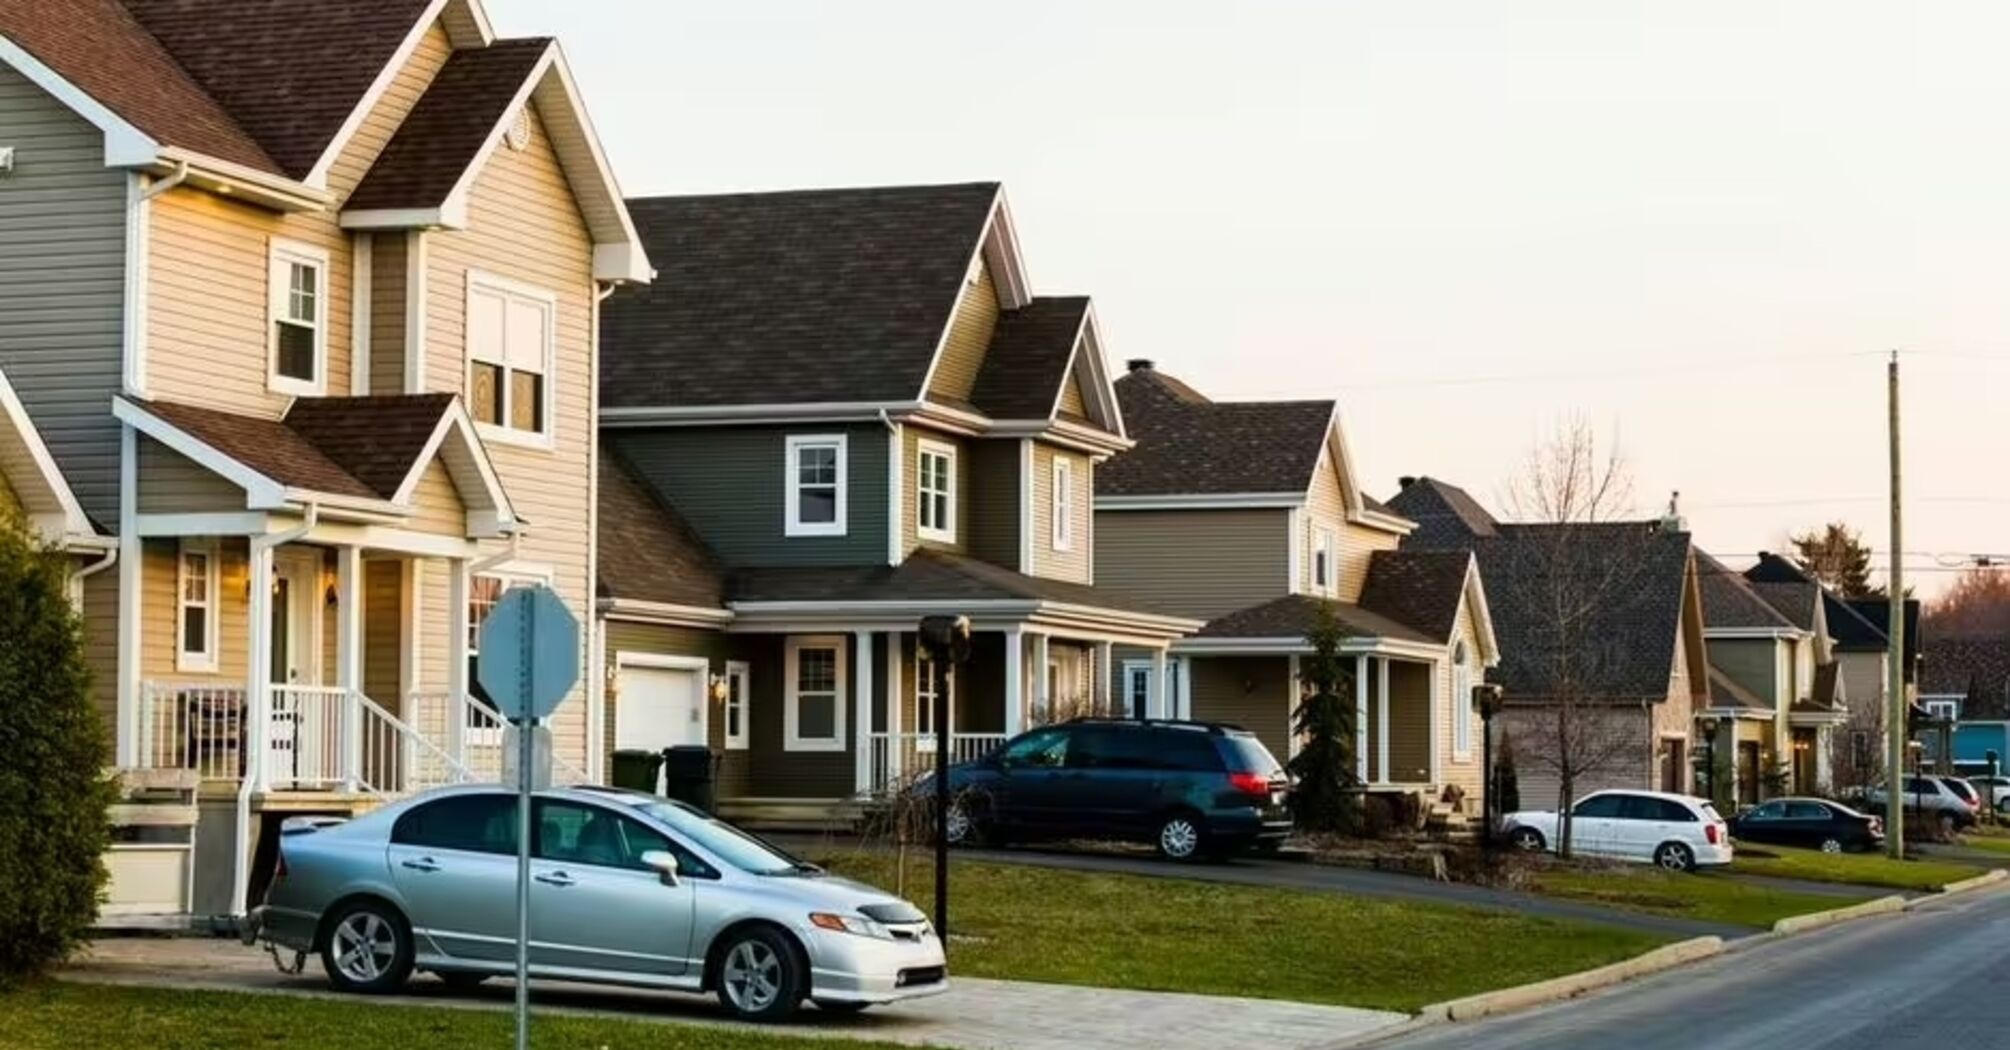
(162,186)
(254,770)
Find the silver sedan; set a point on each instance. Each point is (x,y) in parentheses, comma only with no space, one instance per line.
(626,889)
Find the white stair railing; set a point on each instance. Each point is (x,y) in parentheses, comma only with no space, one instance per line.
(482,735)
(395,759)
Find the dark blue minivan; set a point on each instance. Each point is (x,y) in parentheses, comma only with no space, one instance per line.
(1193,789)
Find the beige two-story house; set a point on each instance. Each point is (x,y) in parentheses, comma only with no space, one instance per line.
(1249,516)
(307,318)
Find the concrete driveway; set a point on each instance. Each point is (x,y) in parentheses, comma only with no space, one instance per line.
(976,1014)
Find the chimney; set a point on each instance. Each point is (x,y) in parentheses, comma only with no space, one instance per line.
(1406,481)
(1672,521)
(1139,364)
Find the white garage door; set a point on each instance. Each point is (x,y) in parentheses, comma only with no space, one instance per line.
(659,707)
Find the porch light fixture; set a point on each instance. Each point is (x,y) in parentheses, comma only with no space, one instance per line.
(716,687)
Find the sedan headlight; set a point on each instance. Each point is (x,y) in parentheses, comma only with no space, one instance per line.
(857,924)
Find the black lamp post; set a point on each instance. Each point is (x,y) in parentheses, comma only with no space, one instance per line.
(1488,699)
(947,639)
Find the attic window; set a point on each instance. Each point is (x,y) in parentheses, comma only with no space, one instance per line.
(518,135)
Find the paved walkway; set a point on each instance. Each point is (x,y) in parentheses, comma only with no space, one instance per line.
(975,1014)
(1304,875)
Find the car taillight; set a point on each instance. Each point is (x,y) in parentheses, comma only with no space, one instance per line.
(1713,834)
(1250,784)
(279,869)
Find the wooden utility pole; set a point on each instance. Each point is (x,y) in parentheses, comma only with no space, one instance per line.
(1896,707)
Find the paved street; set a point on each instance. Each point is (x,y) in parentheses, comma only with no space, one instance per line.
(1927,980)
(975,1014)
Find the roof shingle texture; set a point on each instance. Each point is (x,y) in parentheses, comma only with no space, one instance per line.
(1420,588)
(1851,632)
(1294,615)
(1445,515)
(926,575)
(648,552)
(1726,693)
(288,72)
(342,446)
(1729,600)
(1977,669)
(772,298)
(440,138)
(1028,358)
(1189,445)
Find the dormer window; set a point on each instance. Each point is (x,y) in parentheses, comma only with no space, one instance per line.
(297,285)
(815,491)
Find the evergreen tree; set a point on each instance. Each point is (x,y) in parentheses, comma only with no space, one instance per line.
(53,789)
(1836,556)
(1328,796)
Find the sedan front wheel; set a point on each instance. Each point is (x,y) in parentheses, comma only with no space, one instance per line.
(761,977)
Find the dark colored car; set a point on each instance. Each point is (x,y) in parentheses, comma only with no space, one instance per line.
(1810,822)
(1192,789)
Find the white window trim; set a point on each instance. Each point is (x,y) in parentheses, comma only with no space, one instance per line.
(741,672)
(1462,703)
(481,280)
(791,697)
(1322,561)
(922,450)
(1063,513)
(184,660)
(280,250)
(511,574)
(924,708)
(1179,704)
(792,523)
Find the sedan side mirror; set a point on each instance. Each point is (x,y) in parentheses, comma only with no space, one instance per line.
(664,863)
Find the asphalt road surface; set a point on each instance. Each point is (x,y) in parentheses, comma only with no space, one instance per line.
(1932,978)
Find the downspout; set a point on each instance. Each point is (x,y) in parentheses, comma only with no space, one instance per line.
(156,189)
(476,568)
(255,728)
(105,561)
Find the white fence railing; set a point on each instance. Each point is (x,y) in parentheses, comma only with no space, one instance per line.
(481,735)
(896,757)
(193,726)
(306,738)
(394,759)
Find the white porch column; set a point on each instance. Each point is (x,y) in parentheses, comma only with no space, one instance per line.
(1361,718)
(349,658)
(896,696)
(1104,670)
(861,727)
(1015,685)
(130,746)
(1158,698)
(258,669)
(1043,700)
(457,660)
(1382,718)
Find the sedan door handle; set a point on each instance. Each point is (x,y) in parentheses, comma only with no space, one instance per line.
(554,878)
(422,864)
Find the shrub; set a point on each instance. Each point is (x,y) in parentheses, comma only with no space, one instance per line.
(1326,798)
(53,788)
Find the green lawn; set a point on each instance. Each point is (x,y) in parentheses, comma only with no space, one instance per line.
(1170,934)
(60,1016)
(1862,869)
(1707,897)
(1986,843)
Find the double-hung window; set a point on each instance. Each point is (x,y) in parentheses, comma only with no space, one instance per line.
(935,492)
(737,676)
(925,693)
(814,699)
(1322,561)
(1064,504)
(815,491)
(297,289)
(511,357)
(195,608)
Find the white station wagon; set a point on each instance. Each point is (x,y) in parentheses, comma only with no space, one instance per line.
(1677,832)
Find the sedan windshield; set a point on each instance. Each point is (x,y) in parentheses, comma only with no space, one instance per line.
(724,841)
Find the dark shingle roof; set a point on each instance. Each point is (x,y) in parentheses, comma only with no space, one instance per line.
(1849,629)
(1201,447)
(1795,601)
(1420,588)
(1446,516)
(926,575)
(773,298)
(1028,358)
(439,139)
(1293,615)
(288,72)
(1730,601)
(1975,668)
(647,551)
(1725,693)
(1877,611)
(343,446)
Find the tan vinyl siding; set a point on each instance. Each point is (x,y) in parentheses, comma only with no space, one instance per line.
(160,613)
(9,502)
(387,311)
(991,517)
(524,225)
(1201,563)
(1254,692)
(1071,564)
(171,483)
(1453,768)
(436,505)
(383,603)
(1072,401)
(969,337)
(62,284)
(910,489)
(1409,722)
(399,96)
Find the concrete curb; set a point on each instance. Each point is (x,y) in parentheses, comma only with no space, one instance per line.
(1982,881)
(1570,985)
(1815,920)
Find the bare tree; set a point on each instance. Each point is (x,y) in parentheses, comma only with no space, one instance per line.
(1977,605)
(1572,558)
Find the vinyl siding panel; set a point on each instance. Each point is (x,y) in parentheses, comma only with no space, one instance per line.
(728,482)
(1072,401)
(963,349)
(160,561)
(387,311)
(1751,662)
(436,505)
(1464,771)
(171,483)
(774,771)
(1201,563)
(1254,692)
(383,602)
(992,519)
(390,111)
(911,438)
(62,286)
(665,640)
(1410,722)
(1048,561)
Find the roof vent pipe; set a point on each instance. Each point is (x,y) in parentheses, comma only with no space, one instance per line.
(1406,481)
(1139,364)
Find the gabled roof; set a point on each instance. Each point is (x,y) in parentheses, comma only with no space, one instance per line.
(1294,615)
(1029,358)
(1848,627)
(449,127)
(648,552)
(1421,588)
(27,467)
(1445,514)
(1730,602)
(802,297)
(1877,611)
(1188,445)
(1977,669)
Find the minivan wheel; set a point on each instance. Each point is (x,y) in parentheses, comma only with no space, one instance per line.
(1674,856)
(1945,823)
(1832,845)
(760,976)
(368,949)
(962,830)
(1180,837)
(1528,840)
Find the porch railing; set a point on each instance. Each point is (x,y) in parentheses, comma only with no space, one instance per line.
(896,757)
(481,737)
(193,726)
(306,738)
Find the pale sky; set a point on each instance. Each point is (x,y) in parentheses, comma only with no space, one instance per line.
(1699,225)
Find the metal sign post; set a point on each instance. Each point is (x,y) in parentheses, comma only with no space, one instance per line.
(529,662)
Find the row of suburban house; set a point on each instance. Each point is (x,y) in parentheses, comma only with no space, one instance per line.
(322,325)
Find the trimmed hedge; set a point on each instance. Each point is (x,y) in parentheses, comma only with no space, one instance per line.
(53,787)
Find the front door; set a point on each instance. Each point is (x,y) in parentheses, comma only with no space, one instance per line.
(296,739)
(1748,772)
(659,707)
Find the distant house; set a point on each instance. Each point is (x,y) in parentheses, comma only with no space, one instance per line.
(1967,681)
(1638,666)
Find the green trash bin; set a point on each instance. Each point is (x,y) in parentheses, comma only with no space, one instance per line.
(637,770)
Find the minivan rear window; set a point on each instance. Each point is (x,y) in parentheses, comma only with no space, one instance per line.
(1246,754)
